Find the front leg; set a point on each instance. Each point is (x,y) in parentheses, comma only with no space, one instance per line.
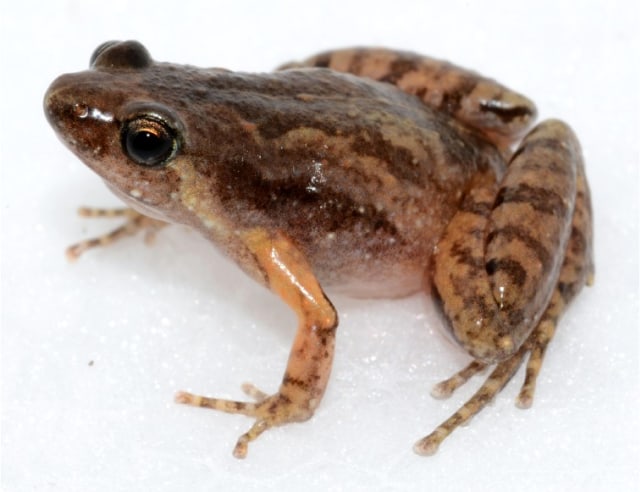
(287,274)
(509,263)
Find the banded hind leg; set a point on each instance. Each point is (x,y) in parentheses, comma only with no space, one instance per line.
(509,263)
(499,113)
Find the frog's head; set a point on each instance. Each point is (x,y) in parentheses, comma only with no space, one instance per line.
(111,118)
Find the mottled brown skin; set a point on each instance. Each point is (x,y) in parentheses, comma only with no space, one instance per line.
(500,114)
(309,177)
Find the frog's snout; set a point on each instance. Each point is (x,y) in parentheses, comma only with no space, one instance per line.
(77,118)
(59,107)
(50,103)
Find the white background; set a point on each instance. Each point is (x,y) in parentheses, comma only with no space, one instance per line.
(92,352)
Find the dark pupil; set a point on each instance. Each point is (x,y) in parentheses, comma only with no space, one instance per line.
(148,146)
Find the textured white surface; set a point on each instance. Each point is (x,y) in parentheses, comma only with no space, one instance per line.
(92,352)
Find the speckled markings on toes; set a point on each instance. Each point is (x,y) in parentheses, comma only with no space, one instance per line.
(500,376)
(135,222)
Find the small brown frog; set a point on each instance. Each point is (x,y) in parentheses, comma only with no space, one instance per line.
(369,170)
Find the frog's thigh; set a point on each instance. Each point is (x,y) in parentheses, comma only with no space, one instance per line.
(500,113)
(494,295)
(287,273)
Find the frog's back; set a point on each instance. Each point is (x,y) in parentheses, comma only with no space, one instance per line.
(361,175)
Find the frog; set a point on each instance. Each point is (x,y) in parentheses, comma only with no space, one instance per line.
(370,171)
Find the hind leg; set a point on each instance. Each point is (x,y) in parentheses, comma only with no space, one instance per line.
(486,284)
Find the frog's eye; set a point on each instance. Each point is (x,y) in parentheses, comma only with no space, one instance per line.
(148,141)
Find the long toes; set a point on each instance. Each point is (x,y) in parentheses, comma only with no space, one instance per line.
(255,393)
(525,398)
(428,446)
(227,406)
(242,446)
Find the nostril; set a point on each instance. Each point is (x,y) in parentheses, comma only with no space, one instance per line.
(81,110)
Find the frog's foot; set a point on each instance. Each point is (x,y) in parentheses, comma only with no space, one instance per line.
(535,346)
(573,274)
(268,410)
(134,223)
(501,374)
